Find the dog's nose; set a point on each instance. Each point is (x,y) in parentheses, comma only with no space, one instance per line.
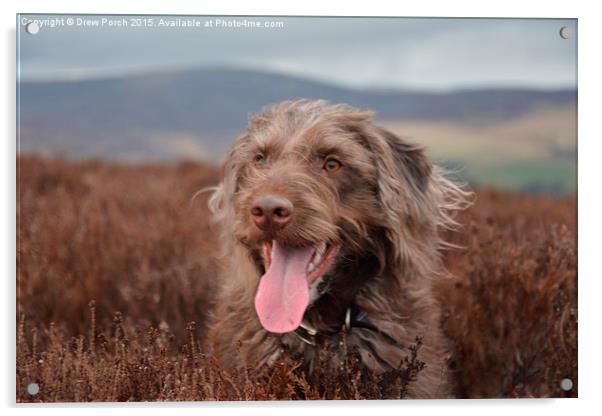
(271,212)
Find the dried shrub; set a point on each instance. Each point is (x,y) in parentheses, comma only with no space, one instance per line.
(130,237)
(512,308)
(95,238)
(130,364)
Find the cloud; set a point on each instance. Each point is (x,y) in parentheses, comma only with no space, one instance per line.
(412,53)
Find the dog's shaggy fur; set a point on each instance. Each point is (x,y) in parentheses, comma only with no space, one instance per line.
(383,209)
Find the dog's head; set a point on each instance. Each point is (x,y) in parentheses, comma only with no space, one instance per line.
(310,189)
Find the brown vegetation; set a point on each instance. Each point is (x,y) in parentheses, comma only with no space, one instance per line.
(114,266)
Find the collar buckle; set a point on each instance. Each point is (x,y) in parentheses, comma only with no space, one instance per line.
(306,333)
(347,324)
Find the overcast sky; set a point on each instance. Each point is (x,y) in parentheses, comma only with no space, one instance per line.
(426,54)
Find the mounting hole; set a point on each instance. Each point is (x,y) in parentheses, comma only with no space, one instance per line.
(33,389)
(32,28)
(566,384)
(565,32)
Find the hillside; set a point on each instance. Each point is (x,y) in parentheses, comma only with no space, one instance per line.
(533,153)
(197,113)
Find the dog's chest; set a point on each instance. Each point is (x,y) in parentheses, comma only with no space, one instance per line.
(320,350)
(358,347)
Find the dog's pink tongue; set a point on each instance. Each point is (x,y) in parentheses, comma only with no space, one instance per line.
(283,292)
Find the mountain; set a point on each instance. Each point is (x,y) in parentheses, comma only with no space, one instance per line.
(197,113)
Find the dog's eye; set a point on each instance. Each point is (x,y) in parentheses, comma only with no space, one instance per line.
(332,165)
(259,160)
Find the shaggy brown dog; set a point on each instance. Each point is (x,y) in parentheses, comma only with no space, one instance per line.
(331,222)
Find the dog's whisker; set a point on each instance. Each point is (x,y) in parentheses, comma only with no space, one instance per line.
(202,191)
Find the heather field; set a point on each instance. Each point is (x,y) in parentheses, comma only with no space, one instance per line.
(116,278)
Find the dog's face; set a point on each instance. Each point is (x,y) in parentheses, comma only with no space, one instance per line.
(311,187)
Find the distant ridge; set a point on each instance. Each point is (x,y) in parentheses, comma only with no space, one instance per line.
(197,113)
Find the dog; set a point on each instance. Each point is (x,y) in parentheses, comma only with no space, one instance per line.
(331,223)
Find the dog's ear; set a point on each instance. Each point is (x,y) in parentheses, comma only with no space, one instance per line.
(413,165)
(221,202)
(404,176)
(416,197)
(404,171)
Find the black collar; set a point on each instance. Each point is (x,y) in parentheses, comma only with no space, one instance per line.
(354,318)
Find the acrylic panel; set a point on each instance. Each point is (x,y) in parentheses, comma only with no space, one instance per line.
(295,208)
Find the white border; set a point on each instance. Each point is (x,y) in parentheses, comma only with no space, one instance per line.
(590,202)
